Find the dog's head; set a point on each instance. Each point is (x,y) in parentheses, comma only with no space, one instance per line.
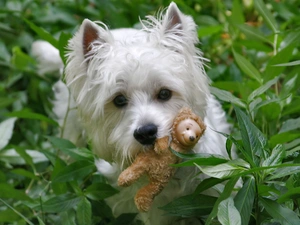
(129,84)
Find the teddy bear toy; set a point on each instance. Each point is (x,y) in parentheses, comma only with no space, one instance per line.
(155,163)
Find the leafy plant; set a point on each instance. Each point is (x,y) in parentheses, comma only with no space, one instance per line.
(254,51)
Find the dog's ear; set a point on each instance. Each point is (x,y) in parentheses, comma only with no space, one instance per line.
(178,28)
(173,18)
(92,35)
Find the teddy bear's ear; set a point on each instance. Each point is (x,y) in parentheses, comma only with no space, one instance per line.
(201,124)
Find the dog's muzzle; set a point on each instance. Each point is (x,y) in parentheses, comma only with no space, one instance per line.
(146,135)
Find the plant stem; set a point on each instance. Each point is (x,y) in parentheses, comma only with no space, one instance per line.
(66,116)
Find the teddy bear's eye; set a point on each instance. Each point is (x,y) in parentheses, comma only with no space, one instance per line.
(187,128)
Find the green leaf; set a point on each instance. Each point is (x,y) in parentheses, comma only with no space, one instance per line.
(207,20)
(207,183)
(273,103)
(282,56)
(227,96)
(229,147)
(16,212)
(62,43)
(41,222)
(24,114)
(289,125)
(75,171)
(262,89)
(59,165)
(271,111)
(247,67)
(24,154)
(224,195)
(21,60)
(238,146)
(84,212)
(197,155)
(293,107)
(10,215)
(294,63)
(253,33)
(292,38)
(6,131)
(61,143)
(199,159)
(6,101)
(266,14)
(283,138)
(288,86)
(9,192)
(279,212)
(59,203)
(237,13)
(257,46)
(278,154)
(24,173)
(254,140)
(283,172)
(99,191)
(42,33)
(79,153)
(265,190)
(291,194)
(12,157)
(244,200)
(68,217)
(210,30)
(227,213)
(225,170)
(190,205)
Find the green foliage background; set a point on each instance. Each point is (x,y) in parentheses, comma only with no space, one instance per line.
(253,47)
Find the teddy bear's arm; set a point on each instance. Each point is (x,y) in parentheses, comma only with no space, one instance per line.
(132,173)
(161,145)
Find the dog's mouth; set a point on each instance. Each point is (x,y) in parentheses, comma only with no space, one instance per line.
(147,141)
(146,135)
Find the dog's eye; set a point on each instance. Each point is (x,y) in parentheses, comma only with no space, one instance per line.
(120,101)
(164,94)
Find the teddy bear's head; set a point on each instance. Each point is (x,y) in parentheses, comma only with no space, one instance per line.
(187,128)
(188,132)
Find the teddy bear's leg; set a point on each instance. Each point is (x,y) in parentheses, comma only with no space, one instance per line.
(131,174)
(144,198)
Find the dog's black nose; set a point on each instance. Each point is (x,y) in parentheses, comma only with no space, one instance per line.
(146,135)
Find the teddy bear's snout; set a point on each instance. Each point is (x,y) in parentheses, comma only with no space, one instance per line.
(192,138)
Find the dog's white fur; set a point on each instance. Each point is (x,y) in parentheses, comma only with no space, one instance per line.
(138,64)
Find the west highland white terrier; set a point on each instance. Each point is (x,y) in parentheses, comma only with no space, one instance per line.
(127,86)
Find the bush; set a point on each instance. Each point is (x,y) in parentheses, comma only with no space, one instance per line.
(254,50)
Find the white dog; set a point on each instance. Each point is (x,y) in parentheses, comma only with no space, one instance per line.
(128,86)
